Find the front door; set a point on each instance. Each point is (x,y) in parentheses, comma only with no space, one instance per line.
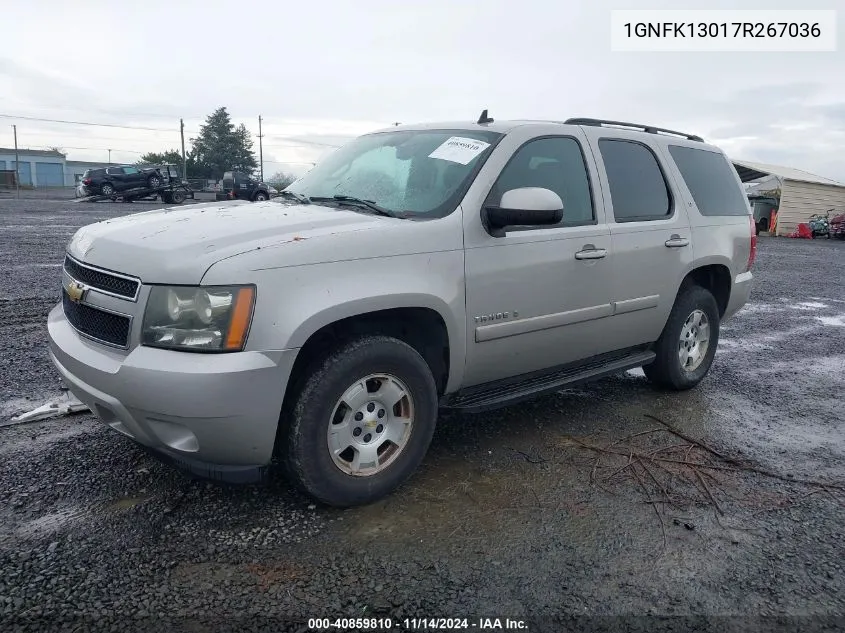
(538,296)
(650,237)
(133,177)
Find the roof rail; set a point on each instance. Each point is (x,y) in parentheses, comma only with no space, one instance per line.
(645,128)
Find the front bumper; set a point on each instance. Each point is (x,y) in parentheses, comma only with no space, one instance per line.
(214,415)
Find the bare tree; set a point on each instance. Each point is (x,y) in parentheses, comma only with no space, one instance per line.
(280,180)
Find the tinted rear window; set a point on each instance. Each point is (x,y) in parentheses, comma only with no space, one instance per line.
(711,180)
(638,190)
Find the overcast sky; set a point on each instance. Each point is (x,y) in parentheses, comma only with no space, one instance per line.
(323,71)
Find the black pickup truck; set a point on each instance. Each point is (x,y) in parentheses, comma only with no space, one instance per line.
(238,185)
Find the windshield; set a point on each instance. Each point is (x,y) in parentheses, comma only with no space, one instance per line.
(409,172)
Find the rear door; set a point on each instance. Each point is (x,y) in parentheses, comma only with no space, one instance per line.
(650,235)
(115,176)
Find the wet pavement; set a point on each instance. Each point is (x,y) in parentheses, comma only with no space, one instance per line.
(609,500)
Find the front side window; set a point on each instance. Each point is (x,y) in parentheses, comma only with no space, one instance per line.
(414,173)
(638,190)
(554,163)
(711,180)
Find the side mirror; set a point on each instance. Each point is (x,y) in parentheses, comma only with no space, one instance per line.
(532,206)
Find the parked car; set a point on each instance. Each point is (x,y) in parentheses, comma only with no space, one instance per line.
(466,266)
(109,180)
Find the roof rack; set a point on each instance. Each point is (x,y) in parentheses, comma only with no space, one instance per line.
(645,128)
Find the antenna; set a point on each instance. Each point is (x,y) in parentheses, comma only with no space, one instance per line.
(484,118)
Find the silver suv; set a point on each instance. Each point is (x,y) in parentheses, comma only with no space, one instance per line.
(453,265)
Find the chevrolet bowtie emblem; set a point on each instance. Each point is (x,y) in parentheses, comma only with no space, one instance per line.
(75,291)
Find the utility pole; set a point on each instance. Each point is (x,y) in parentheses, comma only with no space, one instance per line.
(109,157)
(184,162)
(17,164)
(260,148)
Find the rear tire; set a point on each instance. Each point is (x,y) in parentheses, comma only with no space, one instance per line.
(177,197)
(107,189)
(154,182)
(331,411)
(687,345)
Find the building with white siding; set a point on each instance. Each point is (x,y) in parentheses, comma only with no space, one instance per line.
(802,194)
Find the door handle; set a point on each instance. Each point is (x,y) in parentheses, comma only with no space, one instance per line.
(591,253)
(676,241)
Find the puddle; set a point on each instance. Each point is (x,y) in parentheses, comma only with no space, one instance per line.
(127,503)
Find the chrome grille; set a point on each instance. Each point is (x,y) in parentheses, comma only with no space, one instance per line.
(101,280)
(106,327)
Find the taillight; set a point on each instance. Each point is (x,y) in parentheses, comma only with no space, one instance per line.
(752,254)
(87,181)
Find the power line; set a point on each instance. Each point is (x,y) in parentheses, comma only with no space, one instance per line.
(94,149)
(288,162)
(125,127)
(121,113)
(301,140)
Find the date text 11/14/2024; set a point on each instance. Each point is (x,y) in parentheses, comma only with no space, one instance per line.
(416,624)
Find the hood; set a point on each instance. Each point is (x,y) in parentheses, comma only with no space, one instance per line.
(178,245)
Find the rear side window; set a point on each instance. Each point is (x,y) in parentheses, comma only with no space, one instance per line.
(638,189)
(711,181)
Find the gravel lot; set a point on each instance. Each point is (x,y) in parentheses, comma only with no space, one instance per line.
(514,514)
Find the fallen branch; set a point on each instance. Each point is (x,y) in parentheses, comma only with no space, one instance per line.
(709,492)
(653,505)
(737,467)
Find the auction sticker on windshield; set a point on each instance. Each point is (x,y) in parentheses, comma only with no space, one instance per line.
(459,150)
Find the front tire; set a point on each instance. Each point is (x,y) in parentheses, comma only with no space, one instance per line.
(260,197)
(685,349)
(362,422)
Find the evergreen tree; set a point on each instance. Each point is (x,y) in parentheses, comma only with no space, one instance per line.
(221,147)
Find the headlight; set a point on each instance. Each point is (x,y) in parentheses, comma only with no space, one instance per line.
(200,319)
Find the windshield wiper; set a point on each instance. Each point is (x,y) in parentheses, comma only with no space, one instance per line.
(360,202)
(296,196)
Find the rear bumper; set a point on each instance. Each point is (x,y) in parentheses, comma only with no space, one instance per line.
(214,415)
(740,294)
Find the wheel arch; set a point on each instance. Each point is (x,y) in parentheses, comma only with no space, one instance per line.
(417,319)
(714,276)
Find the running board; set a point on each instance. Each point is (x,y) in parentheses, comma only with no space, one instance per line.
(502,393)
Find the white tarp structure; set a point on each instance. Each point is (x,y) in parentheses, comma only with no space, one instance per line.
(802,194)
